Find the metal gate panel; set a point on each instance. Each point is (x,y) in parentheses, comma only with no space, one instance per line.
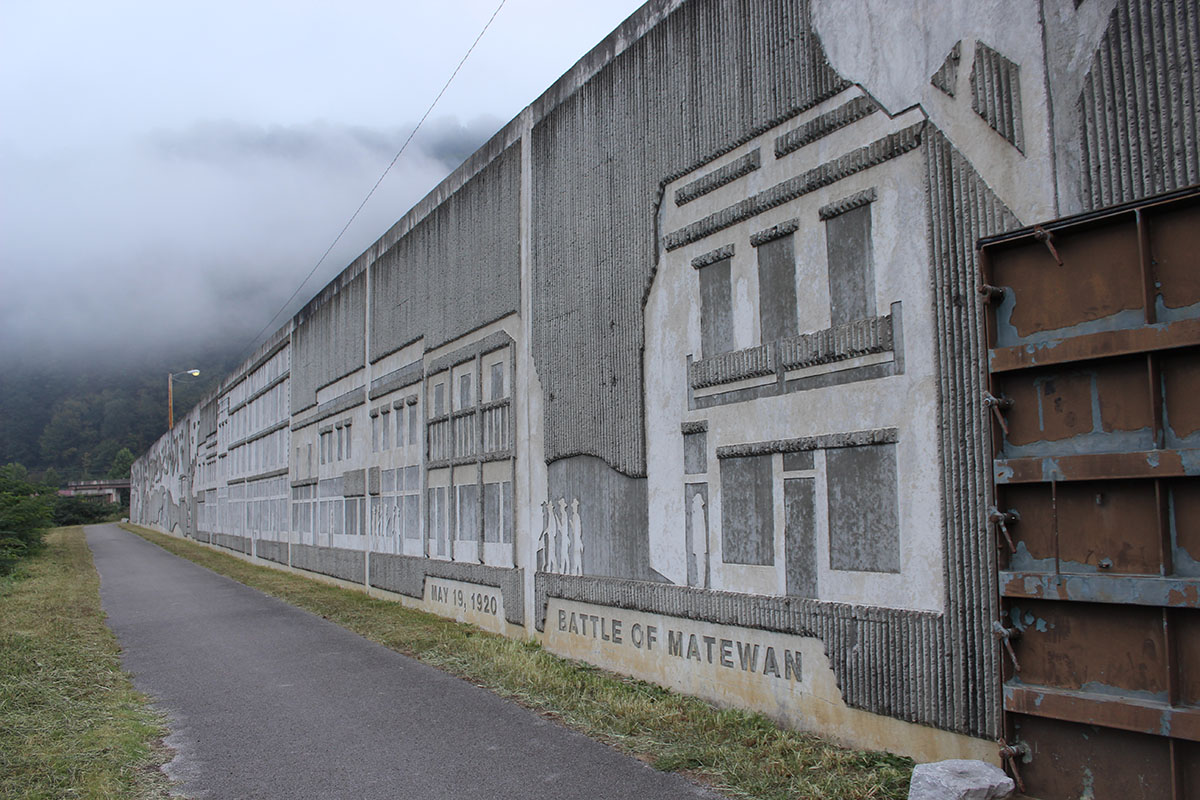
(1094,389)
(1072,760)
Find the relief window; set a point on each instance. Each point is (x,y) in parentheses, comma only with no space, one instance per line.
(464,391)
(497,512)
(412,501)
(695,453)
(747,510)
(777,288)
(467,512)
(439,519)
(497,380)
(851,269)
(439,399)
(863,511)
(716,308)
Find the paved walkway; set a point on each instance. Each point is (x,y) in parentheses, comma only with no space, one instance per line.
(268,701)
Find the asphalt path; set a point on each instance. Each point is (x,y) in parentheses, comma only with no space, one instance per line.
(265,700)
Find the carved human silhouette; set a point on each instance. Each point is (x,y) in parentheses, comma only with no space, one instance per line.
(556,534)
(577,537)
(544,539)
(563,536)
(569,523)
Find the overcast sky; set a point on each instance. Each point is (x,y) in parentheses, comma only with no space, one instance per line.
(171,171)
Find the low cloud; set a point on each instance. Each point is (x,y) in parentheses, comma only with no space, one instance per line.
(197,234)
(319,144)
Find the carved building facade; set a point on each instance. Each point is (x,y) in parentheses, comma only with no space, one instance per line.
(682,372)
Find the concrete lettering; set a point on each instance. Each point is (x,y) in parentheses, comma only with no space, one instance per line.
(729,653)
(747,656)
(791,664)
(770,665)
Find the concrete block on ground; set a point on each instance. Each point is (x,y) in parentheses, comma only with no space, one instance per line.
(959,779)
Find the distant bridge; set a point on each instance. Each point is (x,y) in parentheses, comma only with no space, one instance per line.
(114,491)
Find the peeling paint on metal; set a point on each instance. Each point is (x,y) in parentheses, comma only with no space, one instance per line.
(1007,336)
(1145,590)
(1095,687)
(1097,441)
(1050,470)
(1088,787)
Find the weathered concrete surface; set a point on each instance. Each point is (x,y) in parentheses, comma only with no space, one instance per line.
(787,677)
(266,700)
(959,779)
(635,261)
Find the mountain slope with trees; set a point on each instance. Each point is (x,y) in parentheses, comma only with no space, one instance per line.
(66,421)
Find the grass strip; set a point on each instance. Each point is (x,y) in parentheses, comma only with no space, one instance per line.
(71,724)
(741,753)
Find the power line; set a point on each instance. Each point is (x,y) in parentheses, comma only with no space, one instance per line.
(386,170)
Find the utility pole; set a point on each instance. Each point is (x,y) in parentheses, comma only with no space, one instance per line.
(171,394)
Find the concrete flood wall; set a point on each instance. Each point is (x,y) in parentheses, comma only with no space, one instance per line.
(682,371)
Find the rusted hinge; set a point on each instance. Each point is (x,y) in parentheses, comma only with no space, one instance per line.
(1006,635)
(1047,238)
(1010,754)
(991,293)
(998,405)
(1002,519)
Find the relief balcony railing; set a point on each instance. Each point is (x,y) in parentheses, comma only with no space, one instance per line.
(737,365)
(481,433)
(859,338)
(838,343)
(439,439)
(465,444)
(496,418)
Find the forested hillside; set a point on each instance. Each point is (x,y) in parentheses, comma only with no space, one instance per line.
(68,421)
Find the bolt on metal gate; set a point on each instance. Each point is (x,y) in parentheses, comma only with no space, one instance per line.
(1093,331)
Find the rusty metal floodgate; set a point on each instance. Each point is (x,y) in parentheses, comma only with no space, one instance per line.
(1093,330)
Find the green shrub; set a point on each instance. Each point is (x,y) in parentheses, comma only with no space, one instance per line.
(83,511)
(12,550)
(25,512)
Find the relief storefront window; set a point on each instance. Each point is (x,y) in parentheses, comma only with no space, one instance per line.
(747,511)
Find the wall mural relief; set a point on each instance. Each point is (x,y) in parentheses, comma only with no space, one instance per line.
(740,386)
(561,543)
(166,472)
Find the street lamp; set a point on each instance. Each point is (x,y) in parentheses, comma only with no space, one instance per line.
(171,376)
